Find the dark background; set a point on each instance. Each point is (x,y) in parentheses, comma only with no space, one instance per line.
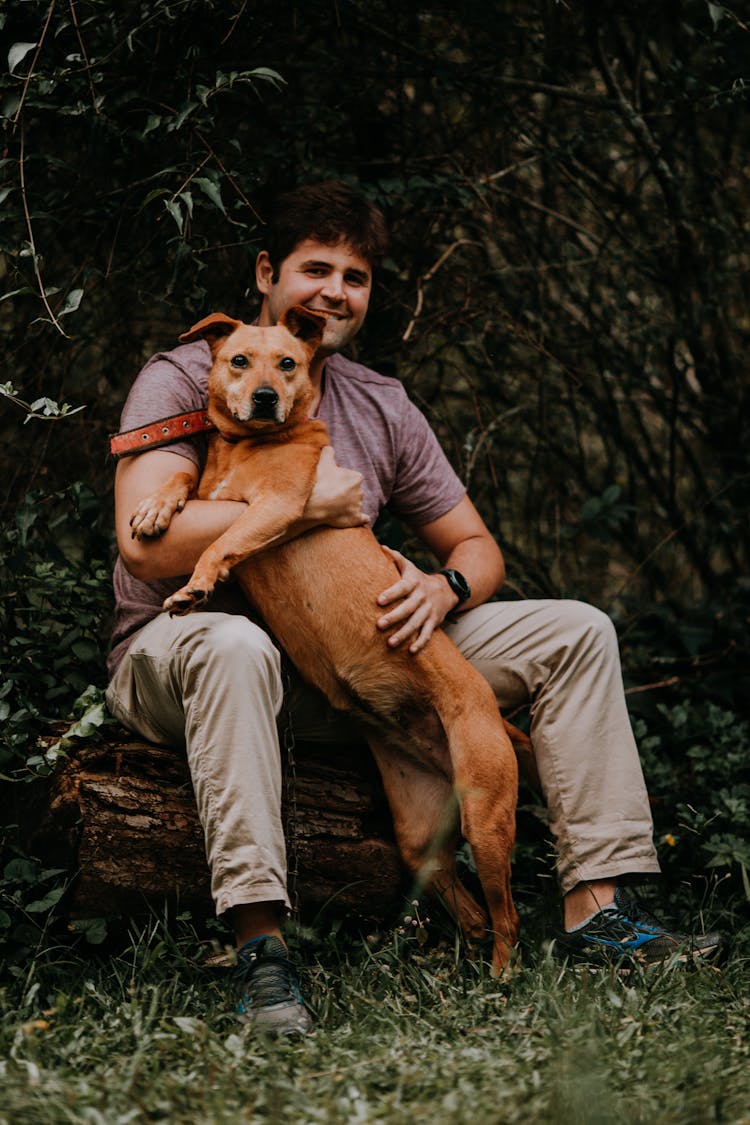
(566,296)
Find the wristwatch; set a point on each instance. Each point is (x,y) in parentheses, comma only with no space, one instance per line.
(458,585)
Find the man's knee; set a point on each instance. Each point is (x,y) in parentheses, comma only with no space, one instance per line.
(233,644)
(591,627)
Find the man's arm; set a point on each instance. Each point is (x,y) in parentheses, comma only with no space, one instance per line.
(460,539)
(336,500)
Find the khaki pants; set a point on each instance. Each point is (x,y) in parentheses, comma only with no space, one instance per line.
(212,683)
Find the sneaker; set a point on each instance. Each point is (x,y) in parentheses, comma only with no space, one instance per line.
(626,933)
(269,997)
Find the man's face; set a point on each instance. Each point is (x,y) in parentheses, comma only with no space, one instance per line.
(331,279)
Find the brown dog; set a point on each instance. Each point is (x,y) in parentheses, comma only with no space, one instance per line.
(432,720)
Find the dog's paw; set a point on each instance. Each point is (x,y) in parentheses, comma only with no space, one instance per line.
(185,601)
(153,516)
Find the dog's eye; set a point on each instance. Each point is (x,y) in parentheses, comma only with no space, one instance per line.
(238,361)
(287,363)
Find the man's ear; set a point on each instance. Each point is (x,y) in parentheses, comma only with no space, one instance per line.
(212,329)
(306,325)
(263,272)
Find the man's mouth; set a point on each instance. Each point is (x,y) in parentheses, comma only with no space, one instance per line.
(328,313)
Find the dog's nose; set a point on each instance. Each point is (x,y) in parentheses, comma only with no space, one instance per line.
(264,398)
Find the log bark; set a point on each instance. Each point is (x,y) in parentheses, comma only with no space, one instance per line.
(123,815)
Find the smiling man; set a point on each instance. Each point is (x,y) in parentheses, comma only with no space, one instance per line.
(211,681)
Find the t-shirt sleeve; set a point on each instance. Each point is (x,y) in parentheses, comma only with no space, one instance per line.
(164,388)
(426,486)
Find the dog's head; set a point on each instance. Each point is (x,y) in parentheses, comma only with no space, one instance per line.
(259,376)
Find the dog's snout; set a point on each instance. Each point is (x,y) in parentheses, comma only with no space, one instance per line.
(265,397)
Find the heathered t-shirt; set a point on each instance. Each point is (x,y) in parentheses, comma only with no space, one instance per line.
(374,429)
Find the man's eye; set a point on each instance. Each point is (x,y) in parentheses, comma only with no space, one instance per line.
(287,363)
(238,361)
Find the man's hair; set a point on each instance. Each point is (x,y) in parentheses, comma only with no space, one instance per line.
(327,212)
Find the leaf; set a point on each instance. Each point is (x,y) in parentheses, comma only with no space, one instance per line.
(21,870)
(189,1024)
(175,212)
(50,899)
(17,53)
(183,114)
(72,301)
(93,929)
(212,190)
(267,75)
(47,406)
(716,12)
(15,292)
(153,123)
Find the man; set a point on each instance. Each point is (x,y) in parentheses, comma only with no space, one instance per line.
(212,680)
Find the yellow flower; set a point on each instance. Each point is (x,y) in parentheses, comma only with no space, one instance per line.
(669,840)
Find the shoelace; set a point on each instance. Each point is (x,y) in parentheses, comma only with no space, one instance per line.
(630,910)
(268,979)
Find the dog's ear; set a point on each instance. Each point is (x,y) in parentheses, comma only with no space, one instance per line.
(211,329)
(306,325)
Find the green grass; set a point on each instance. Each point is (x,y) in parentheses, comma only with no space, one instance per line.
(407,1032)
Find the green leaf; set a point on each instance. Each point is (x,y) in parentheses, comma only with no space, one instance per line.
(72,301)
(21,871)
(152,123)
(212,190)
(47,902)
(266,75)
(175,212)
(18,53)
(93,929)
(716,12)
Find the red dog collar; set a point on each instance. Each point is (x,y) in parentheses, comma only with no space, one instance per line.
(163,432)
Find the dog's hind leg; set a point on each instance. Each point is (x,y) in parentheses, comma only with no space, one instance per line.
(425,819)
(486,782)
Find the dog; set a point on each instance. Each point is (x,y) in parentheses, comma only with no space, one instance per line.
(432,721)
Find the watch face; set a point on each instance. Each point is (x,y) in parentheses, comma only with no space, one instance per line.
(458,584)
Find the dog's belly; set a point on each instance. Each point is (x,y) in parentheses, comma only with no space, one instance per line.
(318,596)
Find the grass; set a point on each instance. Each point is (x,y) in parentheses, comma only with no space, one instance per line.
(409,1030)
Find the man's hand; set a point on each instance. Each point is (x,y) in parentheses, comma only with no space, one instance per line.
(336,498)
(423,602)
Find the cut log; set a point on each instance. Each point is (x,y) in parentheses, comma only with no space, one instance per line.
(124,815)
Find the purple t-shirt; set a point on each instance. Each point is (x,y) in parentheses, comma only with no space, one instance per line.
(374,429)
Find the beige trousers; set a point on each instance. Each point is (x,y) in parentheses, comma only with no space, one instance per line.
(211,682)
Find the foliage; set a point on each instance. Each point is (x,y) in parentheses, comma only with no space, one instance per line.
(566,297)
(696,760)
(407,1030)
(55,595)
(567,292)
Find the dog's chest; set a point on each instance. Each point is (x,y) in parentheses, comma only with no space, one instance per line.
(230,472)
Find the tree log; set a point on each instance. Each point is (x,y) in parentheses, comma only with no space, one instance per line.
(123,813)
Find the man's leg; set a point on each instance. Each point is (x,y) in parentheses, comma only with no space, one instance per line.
(562,657)
(212,682)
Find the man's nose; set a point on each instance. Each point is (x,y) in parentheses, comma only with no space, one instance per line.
(333,289)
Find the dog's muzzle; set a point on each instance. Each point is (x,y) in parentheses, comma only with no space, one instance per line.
(265,403)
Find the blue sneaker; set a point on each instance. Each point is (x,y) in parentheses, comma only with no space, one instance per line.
(626,933)
(269,997)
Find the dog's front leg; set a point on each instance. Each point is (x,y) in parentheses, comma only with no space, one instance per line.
(266,521)
(154,514)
